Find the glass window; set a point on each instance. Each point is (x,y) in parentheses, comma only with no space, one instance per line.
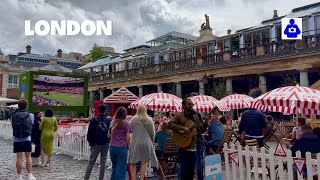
(317,24)
(235,41)
(106,68)
(265,36)
(305,29)
(226,44)
(188,53)
(12,81)
(256,38)
(176,55)
(161,58)
(210,48)
(278,32)
(182,54)
(248,39)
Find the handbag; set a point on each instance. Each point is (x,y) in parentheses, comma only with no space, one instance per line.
(154,158)
(33,148)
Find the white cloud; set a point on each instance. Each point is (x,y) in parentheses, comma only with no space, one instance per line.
(134,22)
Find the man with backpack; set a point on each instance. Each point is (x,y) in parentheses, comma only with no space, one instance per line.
(98,141)
(22,121)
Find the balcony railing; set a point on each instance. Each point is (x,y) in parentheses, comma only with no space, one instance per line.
(201,61)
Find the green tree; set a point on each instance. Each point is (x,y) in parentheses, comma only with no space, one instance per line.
(173,89)
(218,89)
(288,81)
(96,52)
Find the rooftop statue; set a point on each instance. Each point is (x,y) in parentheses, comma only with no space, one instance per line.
(206,25)
(207,22)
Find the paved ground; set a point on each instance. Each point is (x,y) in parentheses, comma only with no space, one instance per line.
(62,167)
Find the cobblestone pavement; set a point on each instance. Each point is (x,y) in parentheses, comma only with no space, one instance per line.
(62,167)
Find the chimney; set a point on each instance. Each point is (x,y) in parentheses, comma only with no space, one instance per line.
(275,13)
(59,55)
(28,49)
(229,31)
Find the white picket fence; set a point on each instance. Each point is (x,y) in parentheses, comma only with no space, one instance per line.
(265,165)
(69,141)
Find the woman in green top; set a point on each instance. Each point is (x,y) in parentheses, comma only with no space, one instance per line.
(48,126)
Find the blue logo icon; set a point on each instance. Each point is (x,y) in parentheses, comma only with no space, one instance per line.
(292,30)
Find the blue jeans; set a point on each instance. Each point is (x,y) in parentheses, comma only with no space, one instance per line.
(119,162)
(199,157)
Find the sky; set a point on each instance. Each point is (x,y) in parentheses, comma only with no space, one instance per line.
(133,22)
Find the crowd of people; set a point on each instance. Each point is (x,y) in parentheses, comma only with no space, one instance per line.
(138,141)
(64,88)
(31,128)
(57,79)
(43,101)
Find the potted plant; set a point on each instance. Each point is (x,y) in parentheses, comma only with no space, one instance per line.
(255,92)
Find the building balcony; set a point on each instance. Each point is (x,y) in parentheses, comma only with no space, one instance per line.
(207,60)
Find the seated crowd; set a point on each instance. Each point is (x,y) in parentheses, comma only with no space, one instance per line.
(42,101)
(59,88)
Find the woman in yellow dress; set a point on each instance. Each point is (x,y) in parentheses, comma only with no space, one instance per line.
(48,126)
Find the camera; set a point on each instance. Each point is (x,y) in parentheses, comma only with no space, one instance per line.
(292,30)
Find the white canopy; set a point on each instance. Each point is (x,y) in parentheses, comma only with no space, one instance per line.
(15,106)
(7,100)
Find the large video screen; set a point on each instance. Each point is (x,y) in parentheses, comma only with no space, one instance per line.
(57,91)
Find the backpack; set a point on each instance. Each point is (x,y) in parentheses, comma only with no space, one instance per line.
(101,134)
(21,124)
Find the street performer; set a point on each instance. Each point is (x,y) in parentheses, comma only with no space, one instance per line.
(186,126)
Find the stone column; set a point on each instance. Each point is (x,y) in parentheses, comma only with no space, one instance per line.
(304,80)
(140,91)
(273,33)
(101,94)
(178,89)
(242,41)
(201,87)
(229,89)
(263,84)
(159,88)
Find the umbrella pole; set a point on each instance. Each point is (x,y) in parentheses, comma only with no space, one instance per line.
(237,113)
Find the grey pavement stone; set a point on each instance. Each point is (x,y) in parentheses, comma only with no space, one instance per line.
(62,167)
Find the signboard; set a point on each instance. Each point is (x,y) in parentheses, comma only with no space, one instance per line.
(299,163)
(280,150)
(213,170)
(234,156)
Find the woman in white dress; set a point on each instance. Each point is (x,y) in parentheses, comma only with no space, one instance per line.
(141,147)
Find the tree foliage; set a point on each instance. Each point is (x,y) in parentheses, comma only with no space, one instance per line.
(96,52)
(288,81)
(217,89)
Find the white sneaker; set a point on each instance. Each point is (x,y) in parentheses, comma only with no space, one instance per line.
(19,177)
(31,177)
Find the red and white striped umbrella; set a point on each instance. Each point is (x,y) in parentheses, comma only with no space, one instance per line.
(286,110)
(297,96)
(203,103)
(237,101)
(160,102)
